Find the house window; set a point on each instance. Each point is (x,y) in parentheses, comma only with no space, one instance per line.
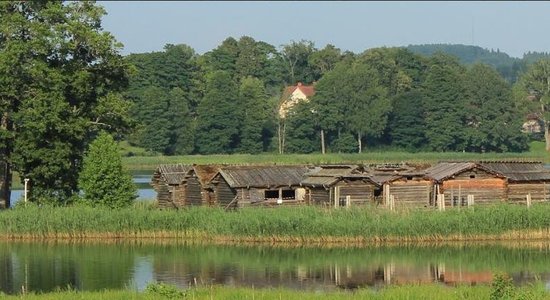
(409,177)
(289,194)
(473,176)
(271,194)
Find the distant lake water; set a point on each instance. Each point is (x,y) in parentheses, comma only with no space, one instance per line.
(43,267)
(141,179)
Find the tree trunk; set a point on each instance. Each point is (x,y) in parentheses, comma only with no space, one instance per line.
(359,142)
(5,178)
(322,141)
(279,142)
(547,135)
(283,138)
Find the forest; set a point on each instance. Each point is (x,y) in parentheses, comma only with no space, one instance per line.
(417,98)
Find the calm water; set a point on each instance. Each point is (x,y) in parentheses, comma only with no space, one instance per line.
(141,179)
(45,267)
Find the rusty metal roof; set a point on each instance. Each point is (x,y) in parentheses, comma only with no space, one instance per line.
(173,174)
(445,170)
(263,176)
(520,171)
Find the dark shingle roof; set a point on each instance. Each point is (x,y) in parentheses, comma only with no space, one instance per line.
(519,171)
(263,176)
(444,170)
(174,174)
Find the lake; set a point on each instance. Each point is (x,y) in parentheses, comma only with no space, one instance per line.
(141,179)
(43,267)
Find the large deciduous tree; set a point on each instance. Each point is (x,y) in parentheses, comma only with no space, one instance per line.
(61,75)
(535,84)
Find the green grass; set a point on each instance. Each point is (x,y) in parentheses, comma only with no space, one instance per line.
(430,291)
(283,224)
(536,152)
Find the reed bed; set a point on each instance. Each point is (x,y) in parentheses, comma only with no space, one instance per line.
(281,225)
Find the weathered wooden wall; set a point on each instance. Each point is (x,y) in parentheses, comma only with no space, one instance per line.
(486,188)
(517,192)
(318,196)
(194,192)
(223,192)
(360,192)
(411,193)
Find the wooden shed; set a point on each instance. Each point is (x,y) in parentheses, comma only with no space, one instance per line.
(168,181)
(406,189)
(238,186)
(458,180)
(524,179)
(198,188)
(339,186)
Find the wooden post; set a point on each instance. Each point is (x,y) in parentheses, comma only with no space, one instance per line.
(470,200)
(441,202)
(392,202)
(529,200)
(348,201)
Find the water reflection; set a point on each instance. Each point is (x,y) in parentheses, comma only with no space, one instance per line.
(45,267)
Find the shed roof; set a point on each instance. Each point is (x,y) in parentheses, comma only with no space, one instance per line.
(520,171)
(445,170)
(263,176)
(205,173)
(174,174)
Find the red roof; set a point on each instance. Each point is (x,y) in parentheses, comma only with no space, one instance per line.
(308,90)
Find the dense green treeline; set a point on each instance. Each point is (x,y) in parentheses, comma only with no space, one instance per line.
(226,100)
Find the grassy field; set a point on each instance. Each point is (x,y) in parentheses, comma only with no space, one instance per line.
(536,152)
(432,291)
(298,225)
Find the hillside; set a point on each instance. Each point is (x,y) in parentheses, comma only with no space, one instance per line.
(509,67)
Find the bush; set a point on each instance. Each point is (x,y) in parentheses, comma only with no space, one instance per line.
(103,181)
(164,290)
(502,287)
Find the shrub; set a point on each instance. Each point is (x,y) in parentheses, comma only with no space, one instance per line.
(103,181)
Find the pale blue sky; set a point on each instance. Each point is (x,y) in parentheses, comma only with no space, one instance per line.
(512,27)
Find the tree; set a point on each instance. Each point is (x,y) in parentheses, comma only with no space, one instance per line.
(218,115)
(406,123)
(61,79)
(302,128)
(536,83)
(103,180)
(255,110)
(182,125)
(492,121)
(325,60)
(296,57)
(444,97)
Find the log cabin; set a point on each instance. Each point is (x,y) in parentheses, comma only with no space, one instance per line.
(339,186)
(524,179)
(460,180)
(168,182)
(239,186)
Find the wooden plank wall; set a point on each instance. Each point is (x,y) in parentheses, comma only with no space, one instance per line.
(194,192)
(164,196)
(360,192)
(224,193)
(178,194)
(517,192)
(485,191)
(411,193)
(319,196)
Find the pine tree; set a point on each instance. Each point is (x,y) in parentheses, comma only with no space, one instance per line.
(102,179)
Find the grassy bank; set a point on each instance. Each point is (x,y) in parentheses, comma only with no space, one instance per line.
(283,224)
(430,291)
(536,152)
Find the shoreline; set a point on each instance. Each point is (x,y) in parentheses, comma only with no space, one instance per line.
(537,238)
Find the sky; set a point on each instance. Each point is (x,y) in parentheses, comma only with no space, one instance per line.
(511,27)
